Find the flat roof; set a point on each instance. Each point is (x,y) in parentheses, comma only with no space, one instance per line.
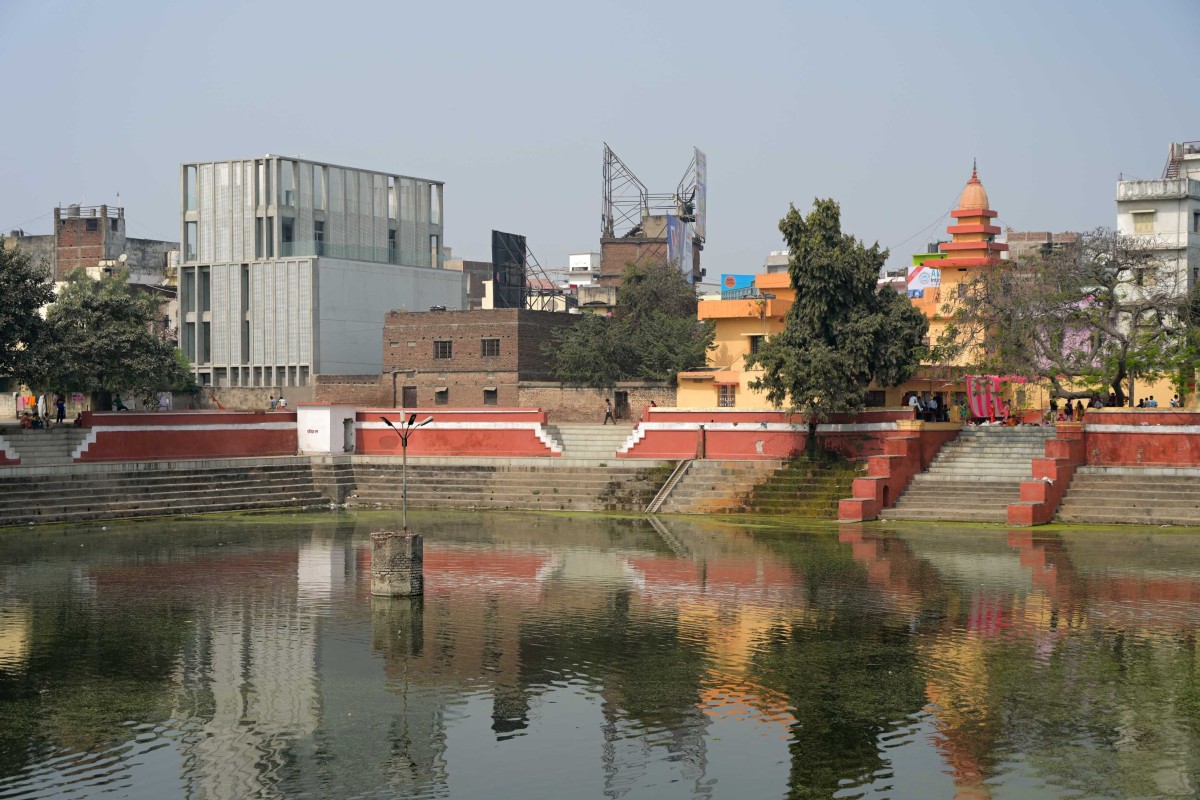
(310,161)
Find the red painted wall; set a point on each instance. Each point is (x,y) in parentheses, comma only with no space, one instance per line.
(1162,437)
(132,436)
(484,433)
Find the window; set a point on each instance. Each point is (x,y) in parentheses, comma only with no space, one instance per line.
(755,343)
(189,187)
(187,291)
(490,348)
(205,342)
(1196,222)
(435,204)
(318,201)
(91,224)
(441,396)
(443,349)
(726,396)
(1143,222)
(260,237)
(490,396)
(287,230)
(189,340)
(269,238)
(189,241)
(876,398)
(319,237)
(392,246)
(393,207)
(245,341)
(287,183)
(205,293)
(435,244)
(245,288)
(262,188)
(112,223)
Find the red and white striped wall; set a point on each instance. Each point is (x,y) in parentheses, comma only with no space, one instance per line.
(482,433)
(133,436)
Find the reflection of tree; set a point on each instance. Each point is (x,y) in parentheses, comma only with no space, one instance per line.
(91,669)
(848,671)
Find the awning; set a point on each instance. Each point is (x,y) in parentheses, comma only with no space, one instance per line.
(440,389)
(727,382)
(489,388)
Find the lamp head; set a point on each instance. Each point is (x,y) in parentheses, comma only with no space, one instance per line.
(411,419)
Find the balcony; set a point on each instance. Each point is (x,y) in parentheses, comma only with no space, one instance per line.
(749,308)
(1172,189)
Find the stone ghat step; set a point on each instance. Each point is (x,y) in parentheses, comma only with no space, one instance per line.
(971,476)
(1115,517)
(977,515)
(450,479)
(438,496)
(213,505)
(529,504)
(1139,481)
(14,502)
(915,494)
(1090,490)
(119,480)
(1144,503)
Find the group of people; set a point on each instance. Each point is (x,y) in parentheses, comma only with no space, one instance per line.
(38,416)
(928,408)
(280,403)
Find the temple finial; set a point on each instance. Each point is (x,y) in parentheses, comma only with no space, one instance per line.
(973,169)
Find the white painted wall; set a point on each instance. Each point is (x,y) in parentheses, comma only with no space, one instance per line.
(320,429)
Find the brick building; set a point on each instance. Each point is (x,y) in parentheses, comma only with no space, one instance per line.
(467,358)
(93,237)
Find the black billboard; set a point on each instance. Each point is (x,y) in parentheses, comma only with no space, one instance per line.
(508,270)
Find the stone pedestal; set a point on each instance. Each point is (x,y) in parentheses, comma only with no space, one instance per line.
(397,564)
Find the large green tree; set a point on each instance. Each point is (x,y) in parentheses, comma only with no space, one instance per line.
(102,340)
(652,335)
(843,331)
(24,288)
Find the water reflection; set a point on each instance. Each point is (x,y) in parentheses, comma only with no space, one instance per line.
(554,656)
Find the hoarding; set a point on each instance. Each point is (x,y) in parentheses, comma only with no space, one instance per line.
(701,195)
(508,270)
(679,246)
(735,287)
(922,277)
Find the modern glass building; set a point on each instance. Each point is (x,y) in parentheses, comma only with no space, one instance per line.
(290,265)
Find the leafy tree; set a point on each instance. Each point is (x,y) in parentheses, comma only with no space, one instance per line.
(843,331)
(102,341)
(24,288)
(1091,314)
(653,334)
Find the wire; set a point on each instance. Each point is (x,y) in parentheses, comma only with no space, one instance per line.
(941,217)
(26,222)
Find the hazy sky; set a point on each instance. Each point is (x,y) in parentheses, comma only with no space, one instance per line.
(880,105)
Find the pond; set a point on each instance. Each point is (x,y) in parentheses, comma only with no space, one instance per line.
(558,656)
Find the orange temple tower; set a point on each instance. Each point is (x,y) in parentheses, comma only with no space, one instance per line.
(973,247)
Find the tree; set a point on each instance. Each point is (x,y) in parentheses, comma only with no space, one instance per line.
(1091,314)
(25,288)
(843,331)
(102,341)
(653,334)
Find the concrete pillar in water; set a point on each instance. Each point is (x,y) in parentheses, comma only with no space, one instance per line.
(397,564)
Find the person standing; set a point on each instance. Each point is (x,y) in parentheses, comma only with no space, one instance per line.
(60,409)
(282,403)
(608,415)
(272,402)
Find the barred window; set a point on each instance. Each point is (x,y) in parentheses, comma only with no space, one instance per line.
(443,349)
(490,348)
(726,396)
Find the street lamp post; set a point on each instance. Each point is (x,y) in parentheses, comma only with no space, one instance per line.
(404,431)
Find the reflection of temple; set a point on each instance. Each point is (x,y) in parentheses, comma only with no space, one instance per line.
(972,600)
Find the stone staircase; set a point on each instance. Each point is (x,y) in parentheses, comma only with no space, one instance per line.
(975,477)
(718,486)
(1133,495)
(619,486)
(49,447)
(586,441)
(806,488)
(116,491)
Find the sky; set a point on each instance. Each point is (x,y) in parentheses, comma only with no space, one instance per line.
(879,105)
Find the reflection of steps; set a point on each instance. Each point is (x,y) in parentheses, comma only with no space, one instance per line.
(975,477)
(1133,495)
(588,441)
(619,486)
(717,486)
(45,448)
(86,493)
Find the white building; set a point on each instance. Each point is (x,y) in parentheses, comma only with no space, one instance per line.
(1167,211)
(290,265)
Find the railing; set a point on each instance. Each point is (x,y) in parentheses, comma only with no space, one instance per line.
(680,469)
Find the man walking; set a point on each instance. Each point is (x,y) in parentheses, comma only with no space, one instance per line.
(608,415)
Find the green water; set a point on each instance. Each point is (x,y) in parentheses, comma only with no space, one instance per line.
(591,657)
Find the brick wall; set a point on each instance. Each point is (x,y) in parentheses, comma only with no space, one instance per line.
(361,390)
(615,254)
(575,404)
(82,241)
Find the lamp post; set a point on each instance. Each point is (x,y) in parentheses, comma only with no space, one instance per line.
(404,431)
